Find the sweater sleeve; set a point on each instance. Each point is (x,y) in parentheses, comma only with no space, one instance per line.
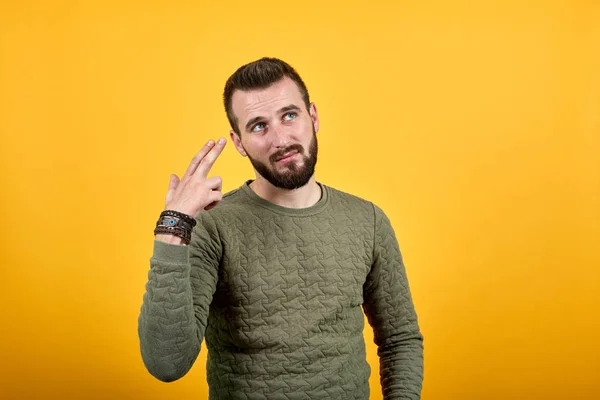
(390,311)
(174,312)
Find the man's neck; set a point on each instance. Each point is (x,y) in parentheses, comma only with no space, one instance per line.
(306,196)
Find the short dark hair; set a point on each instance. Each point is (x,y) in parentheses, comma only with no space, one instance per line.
(260,74)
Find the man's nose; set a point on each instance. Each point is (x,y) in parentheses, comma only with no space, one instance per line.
(280,136)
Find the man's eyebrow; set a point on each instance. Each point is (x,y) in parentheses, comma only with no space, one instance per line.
(254,120)
(291,107)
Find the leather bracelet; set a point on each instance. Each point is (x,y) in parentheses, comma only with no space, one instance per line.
(174,222)
(180,215)
(184,234)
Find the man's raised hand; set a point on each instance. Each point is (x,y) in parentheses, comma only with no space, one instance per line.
(196,191)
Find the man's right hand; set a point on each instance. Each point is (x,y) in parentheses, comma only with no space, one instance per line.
(195,191)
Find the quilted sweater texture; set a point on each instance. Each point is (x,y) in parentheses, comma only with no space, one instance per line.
(278,295)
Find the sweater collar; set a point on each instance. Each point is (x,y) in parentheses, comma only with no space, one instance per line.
(307,211)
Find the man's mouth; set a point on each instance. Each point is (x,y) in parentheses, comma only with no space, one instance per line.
(286,156)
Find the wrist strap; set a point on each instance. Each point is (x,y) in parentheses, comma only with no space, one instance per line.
(180,215)
(175,223)
(185,235)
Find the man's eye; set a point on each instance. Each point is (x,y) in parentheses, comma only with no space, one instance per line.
(258,127)
(289,116)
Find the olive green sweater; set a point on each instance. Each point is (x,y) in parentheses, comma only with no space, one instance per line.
(278,295)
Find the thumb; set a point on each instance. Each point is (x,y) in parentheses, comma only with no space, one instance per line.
(173,183)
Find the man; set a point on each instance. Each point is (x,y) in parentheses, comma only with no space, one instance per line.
(275,275)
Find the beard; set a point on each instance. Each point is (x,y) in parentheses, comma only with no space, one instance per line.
(291,176)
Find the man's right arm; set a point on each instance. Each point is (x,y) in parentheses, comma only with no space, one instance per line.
(182,279)
(181,283)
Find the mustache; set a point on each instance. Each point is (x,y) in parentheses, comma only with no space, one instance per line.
(280,153)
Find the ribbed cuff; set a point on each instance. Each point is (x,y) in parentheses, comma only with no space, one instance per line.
(166,253)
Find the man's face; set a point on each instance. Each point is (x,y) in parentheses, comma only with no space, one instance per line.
(278,134)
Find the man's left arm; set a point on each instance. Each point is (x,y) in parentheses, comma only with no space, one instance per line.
(390,311)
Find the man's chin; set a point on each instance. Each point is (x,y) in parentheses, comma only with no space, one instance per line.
(291,176)
(291,180)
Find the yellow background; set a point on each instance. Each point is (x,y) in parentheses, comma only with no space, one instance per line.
(474,125)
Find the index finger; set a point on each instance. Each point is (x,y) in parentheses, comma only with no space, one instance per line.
(198,157)
(209,159)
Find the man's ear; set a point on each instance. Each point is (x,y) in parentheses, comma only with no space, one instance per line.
(314,116)
(237,142)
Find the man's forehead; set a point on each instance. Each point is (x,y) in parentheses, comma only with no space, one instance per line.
(247,104)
